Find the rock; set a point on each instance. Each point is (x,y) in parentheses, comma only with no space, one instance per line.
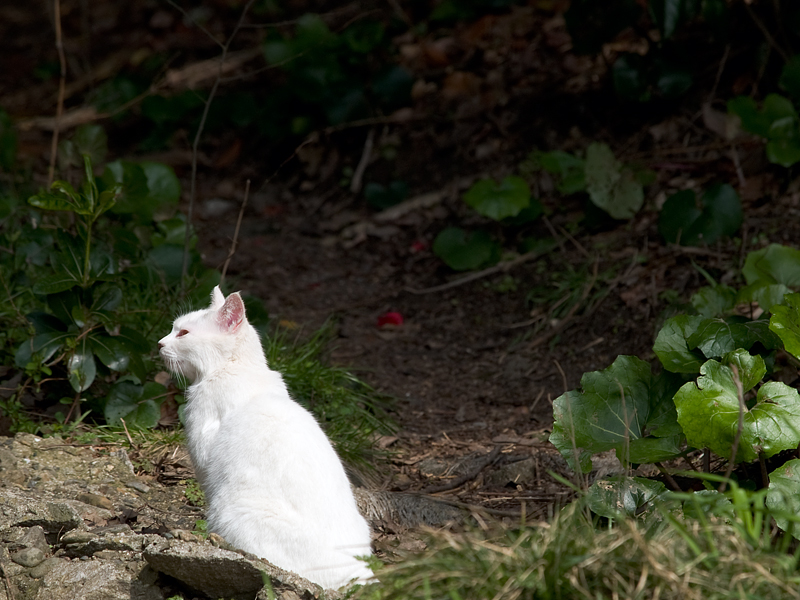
(404,510)
(34,538)
(28,557)
(219,573)
(522,472)
(77,537)
(96,580)
(21,510)
(44,568)
(138,486)
(96,500)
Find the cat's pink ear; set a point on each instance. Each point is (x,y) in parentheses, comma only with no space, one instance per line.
(217,299)
(231,315)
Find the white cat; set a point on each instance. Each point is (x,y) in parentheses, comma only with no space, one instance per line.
(273,483)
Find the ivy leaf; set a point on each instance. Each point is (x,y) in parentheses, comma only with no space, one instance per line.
(499,200)
(783,496)
(716,337)
(111,352)
(616,408)
(672,348)
(82,368)
(785,323)
(682,221)
(714,301)
(463,251)
(611,186)
(624,496)
(570,171)
(127,401)
(790,77)
(773,264)
(708,412)
(766,295)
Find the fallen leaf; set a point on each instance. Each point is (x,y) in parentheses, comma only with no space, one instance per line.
(390,319)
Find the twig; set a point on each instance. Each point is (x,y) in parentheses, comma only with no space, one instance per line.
(563,375)
(739,427)
(196,144)
(366,155)
(459,481)
(767,35)
(670,480)
(127,433)
(198,25)
(498,268)
(553,233)
(235,241)
(575,242)
(721,68)
(62,81)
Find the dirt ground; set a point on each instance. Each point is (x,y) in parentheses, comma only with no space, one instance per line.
(477,365)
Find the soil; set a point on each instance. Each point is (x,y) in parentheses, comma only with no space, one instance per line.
(479,364)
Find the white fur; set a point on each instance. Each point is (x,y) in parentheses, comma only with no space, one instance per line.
(273,483)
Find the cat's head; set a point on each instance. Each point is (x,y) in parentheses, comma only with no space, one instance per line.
(203,341)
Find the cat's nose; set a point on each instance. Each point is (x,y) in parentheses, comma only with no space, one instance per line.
(160,345)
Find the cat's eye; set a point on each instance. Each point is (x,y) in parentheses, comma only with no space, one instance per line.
(182,332)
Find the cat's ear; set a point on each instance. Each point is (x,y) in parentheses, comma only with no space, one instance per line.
(231,315)
(217,299)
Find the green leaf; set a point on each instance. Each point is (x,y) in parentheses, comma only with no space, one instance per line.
(616,407)
(672,348)
(8,142)
(109,298)
(133,339)
(764,294)
(568,168)
(91,140)
(716,337)
(624,497)
(773,264)
(499,200)
(145,187)
(611,186)
(463,251)
(783,496)
(708,412)
(714,301)
(752,120)
(751,368)
(682,221)
(55,200)
(60,282)
(785,323)
(111,352)
(629,74)
(163,186)
(382,197)
(82,368)
(127,401)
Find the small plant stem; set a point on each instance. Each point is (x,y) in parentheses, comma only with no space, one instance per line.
(762,462)
(670,480)
(75,402)
(196,144)
(707,460)
(61,87)
(739,427)
(235,241)
(127,433)
(88,250)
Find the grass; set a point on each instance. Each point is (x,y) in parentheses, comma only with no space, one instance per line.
(571,558)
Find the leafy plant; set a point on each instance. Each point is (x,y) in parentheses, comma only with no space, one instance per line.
(724,407)
(464,251)
(686,221)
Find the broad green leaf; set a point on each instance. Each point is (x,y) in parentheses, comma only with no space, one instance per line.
(163,186)
(704,503)
(82,368)
(611,186)
(785,323)
(126,401)
(629,74)
(750,368)
(463,251)
(783,496)
(109,298)
(708,411)
(766,295)
(624,497)
(682,221)
(616,407)
(499,200)
(45,345)
(168,259)
(62,303)
(133,339)
(716,337)
(672,348)
(568,168)
(714,301)
(59,282)
(52,201)
(8,142)
(91,140)
(111,352)
(752,120)
(773,264)
(666,14)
